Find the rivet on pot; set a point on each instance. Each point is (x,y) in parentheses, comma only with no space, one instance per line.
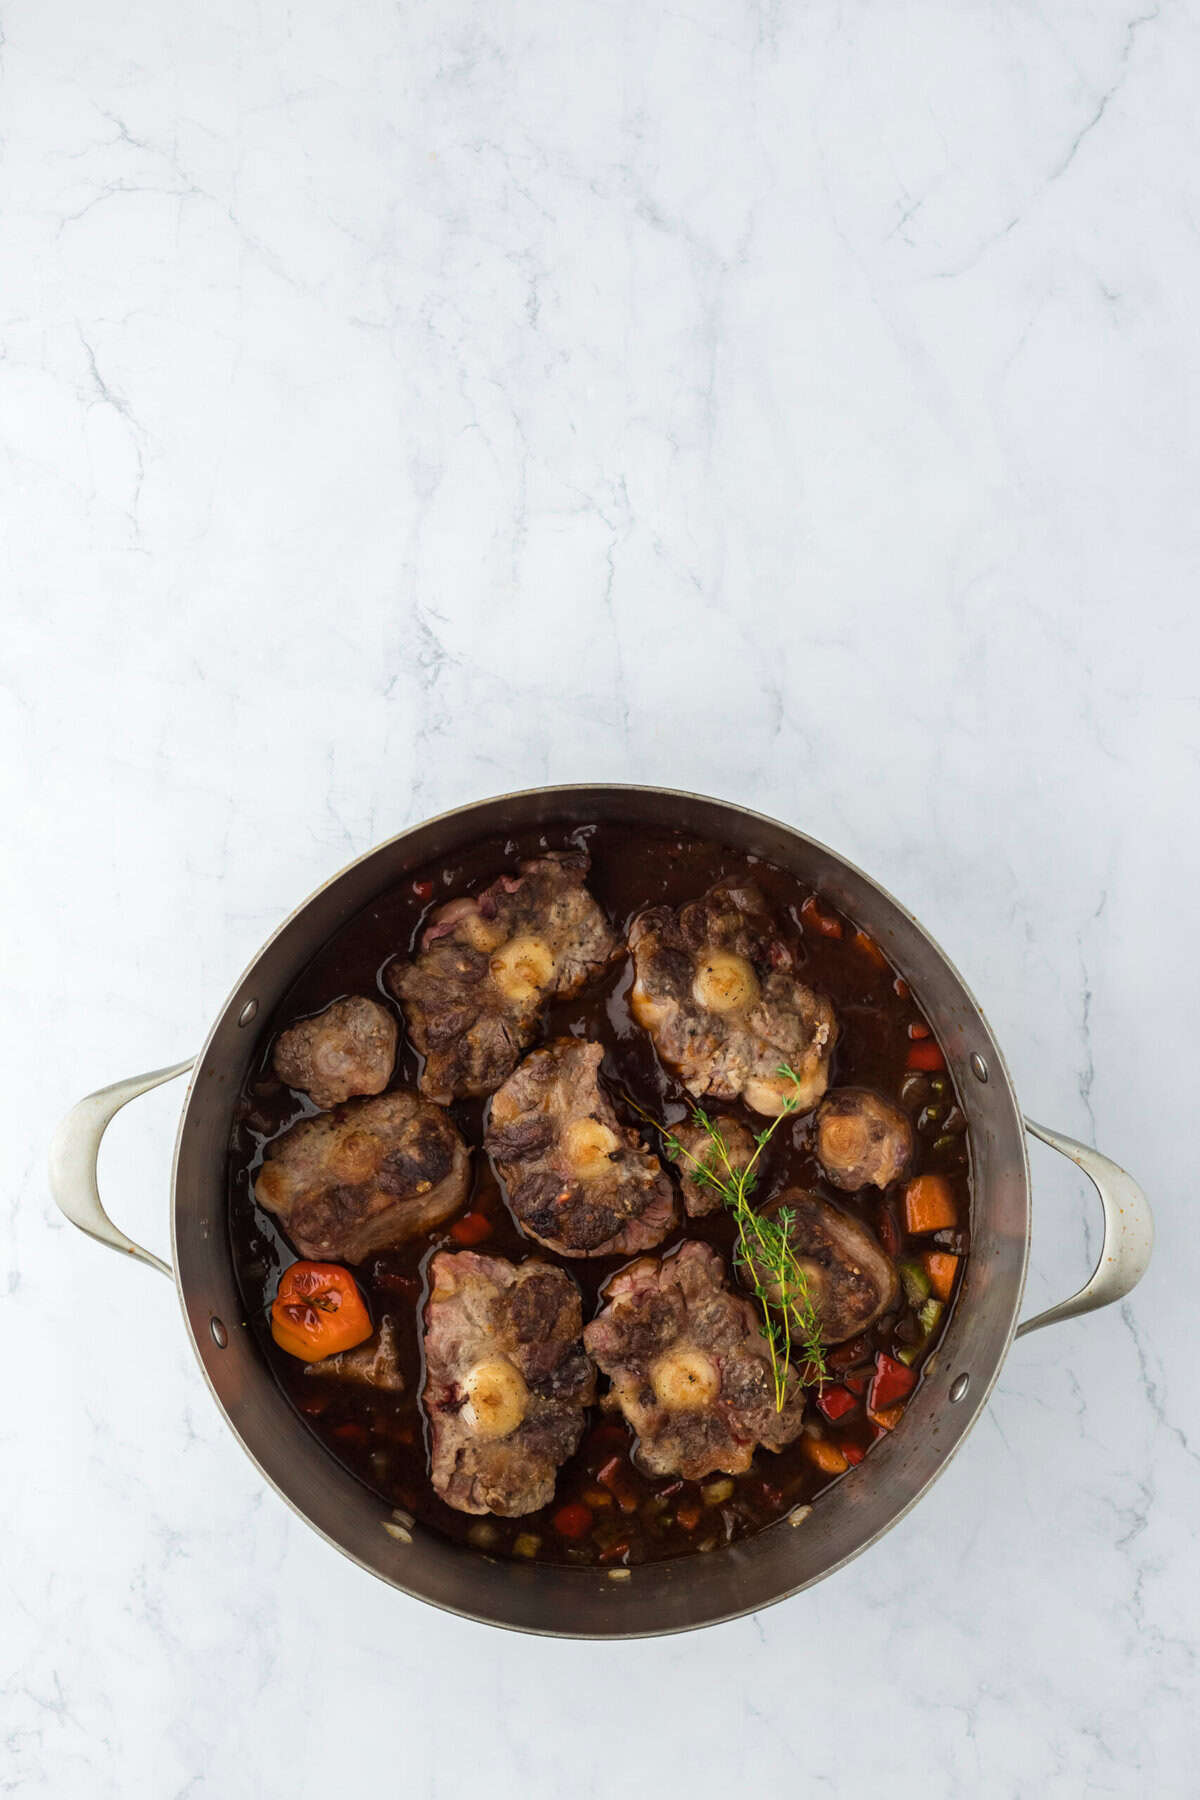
(959,1386)
(248,1012)
(220,1336)
(979,1068)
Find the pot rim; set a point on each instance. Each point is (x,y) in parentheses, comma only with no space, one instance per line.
(982,1384)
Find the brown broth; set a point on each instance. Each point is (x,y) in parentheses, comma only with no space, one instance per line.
(381,1437)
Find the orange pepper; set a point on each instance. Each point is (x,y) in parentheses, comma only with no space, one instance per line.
(318,1311)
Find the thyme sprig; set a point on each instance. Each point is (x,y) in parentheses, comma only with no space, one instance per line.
(763,1252)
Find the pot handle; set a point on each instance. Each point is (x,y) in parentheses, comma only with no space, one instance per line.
(1128,1232)
(73,1155)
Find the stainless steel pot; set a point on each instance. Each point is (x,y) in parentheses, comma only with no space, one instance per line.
(660,1597)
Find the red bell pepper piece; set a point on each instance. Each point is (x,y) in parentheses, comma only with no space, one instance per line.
(893,1382)
(853,1453)
(835,1402)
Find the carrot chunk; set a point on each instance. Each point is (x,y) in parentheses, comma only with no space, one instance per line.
(826,924)
(924,1054)
(929,1204)
(870,949)
(941,1269)
(826,1456)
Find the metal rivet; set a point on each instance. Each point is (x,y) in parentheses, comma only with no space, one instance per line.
(958,1387)
(248,1012)
(979,1068)
(220,1336)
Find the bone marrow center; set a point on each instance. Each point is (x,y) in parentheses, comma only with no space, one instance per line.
(685,1380)
(497,1398)
(725,983)
(522,967)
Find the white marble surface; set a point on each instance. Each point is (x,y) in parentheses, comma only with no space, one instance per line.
(407,402)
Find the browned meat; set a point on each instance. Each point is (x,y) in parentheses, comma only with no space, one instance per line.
(700,1196)
(862,1138)
(578,1180)
(370,1174)
(851,1282)
(348,1049)
(487,965)
(690,1368)
(716,987)
(375,1364)
(506,1380)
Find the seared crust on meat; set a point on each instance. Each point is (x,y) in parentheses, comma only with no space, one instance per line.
(348,1049)
(375,1364)
(689,1366)
(367,1176)
(578,1180)
(506,1382)
(700,1197)
(474,994)
(717,989)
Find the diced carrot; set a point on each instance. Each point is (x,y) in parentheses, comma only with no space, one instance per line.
(870,949)
(901,988)
(472,1228)
(924,1055)
(889,1418)
(853,1453)
(597,1496)
(929,1204)
(423,890)
(941,1269)
(825,924)
(919,1029)
(572,1520)
(688,1514)
(615,1552)
(826,1456)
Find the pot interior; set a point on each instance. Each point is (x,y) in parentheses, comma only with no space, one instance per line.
(657,1597)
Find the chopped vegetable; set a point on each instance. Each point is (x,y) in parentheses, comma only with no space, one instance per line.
(835,1402)
(472,1228)
(318,1311)
(857,1381)
(870,949)
(615,1477)
(929,1315)
(889,1418)
(825,924)
(892,1382)
(909,1354)
(715,1493)
(929,1204)
(916,1283)
(901,988)
(853,1453)
(919,1029)
(941,1268)
(615,1552)
(423,890)
(352,1433)
(572,1520)
(827,1457)
(526,1543)
(596,1496)
(924,1055)
(688,1514)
